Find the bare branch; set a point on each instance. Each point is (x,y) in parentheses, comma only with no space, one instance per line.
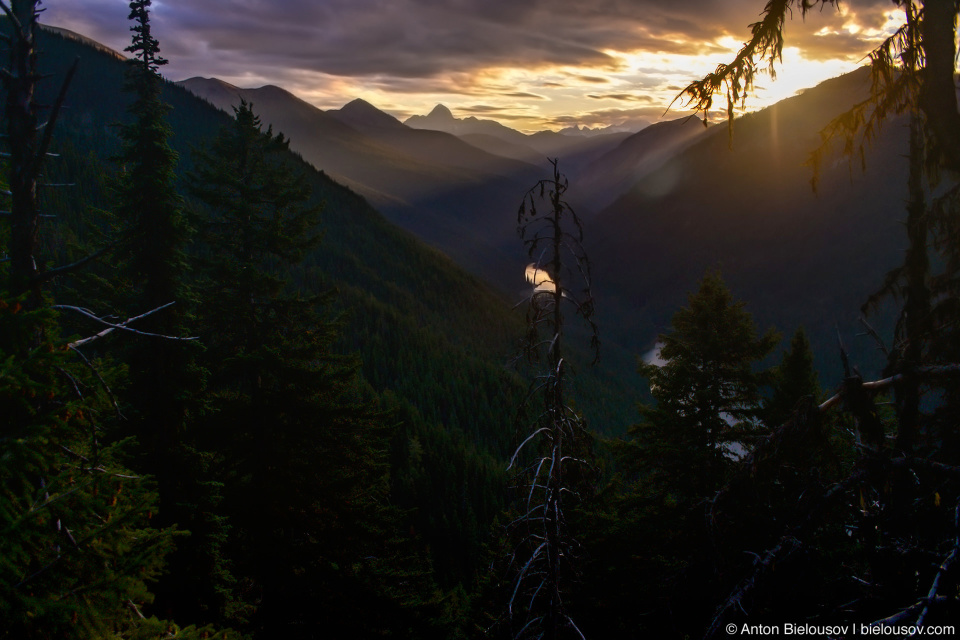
(54,114)
(944,567)
(59,271)
(122,326)
(103,382)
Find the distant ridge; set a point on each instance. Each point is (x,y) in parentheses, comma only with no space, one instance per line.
(73,35)
(451,194)
(442,119)
(794,256)
(362,115)
(574,150)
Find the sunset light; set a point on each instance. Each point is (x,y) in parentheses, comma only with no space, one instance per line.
(534,69)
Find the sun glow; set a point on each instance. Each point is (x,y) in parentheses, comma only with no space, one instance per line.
(624,70)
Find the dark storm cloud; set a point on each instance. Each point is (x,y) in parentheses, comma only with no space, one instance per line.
(422,38)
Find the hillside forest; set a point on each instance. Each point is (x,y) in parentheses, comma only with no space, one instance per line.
(255,386)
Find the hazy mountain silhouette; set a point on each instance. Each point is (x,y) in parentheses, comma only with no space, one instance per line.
(607,177)
(453,195)
(501,147)
(580,130)
(574,151)
(675,199)
(428,146)
(796,257)
(441,119)
(363,116)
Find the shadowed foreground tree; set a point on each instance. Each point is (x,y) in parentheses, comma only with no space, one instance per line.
(793,379)
(889,513)
(649,520)
(707,392)
(164,397)
(76,548)
(544,549)
(303,448)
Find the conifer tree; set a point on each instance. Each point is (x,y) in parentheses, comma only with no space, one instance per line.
(913,75)
(166,384)
(555,451)
(793,379)
(76,550)
(157,230)
(152,249)
(707,393)
(304,458)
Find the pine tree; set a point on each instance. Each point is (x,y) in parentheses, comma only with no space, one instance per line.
(152,249)
(157,230)
(793,379)
(166,383)
(76,550)
(303,454)
(651,521)
(707,393)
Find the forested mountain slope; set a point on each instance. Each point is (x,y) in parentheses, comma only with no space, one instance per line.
(746,206)
(443,190)
(609,176)
(434,341)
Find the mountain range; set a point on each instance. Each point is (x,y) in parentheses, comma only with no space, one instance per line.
(741,201)
(663,204)
(412,308)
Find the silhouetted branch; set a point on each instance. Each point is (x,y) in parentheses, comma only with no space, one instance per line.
(54,114)
(65,269)
(762,566)
(944,567)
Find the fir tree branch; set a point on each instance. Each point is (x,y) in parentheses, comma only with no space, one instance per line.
(59,271)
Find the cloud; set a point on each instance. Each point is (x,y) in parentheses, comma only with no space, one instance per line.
(603,117)
(592,79)
(624,97)
(480,108)
(523,94)
(414,53)
(424,38)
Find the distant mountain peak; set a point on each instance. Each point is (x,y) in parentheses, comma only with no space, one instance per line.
(357,104)
(362,115)
(441,112)
(200,80)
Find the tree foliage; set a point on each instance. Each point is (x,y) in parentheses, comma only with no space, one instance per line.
(76,548)
(795,378)
(303,452)
(707,391)
(889,465)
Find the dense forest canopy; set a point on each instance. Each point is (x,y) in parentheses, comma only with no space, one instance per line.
(236,402)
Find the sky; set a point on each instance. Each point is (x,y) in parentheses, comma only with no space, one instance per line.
(530,64)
